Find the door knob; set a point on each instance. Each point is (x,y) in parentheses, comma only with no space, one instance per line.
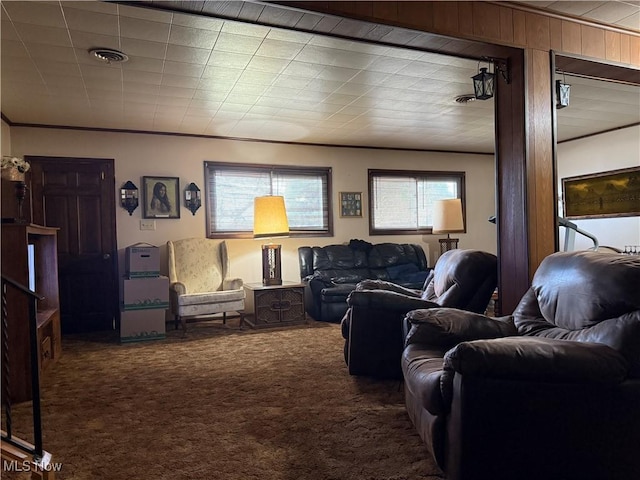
(106,256)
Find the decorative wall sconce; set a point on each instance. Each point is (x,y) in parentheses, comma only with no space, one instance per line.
(129,197)
(192,198)
(270,220)
(484,82)
(562,93)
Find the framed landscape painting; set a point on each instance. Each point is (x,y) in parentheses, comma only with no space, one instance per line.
(161,197)
(606,194)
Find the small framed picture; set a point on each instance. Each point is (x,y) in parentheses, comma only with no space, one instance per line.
(350,204)
(161,197)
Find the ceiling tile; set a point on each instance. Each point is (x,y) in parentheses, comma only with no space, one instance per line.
(279,49)
(229,60)
(144,30)
(193,37)
(183,69)
(44,14)
(202,23)
(38,34)
(142,64)
(87,40)
(179,81)
(142,48)
(179,53)
(245,29)
(138,76)
(153,15)
(92,22)
(52,53)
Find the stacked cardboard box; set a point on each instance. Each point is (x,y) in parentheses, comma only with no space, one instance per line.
(145,295)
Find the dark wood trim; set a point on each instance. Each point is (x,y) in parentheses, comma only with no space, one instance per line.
(599,133)
(597,69)
(566,16)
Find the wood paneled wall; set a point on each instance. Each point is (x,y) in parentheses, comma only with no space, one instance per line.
(495,22)
(524,110)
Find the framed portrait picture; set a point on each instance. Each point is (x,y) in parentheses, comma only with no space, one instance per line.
(350,204)
(161,197)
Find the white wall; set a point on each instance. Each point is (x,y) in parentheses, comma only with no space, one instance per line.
(138,155)
(601,153)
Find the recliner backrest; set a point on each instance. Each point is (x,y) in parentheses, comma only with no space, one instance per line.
(576,290)
(588,297)
(463,279)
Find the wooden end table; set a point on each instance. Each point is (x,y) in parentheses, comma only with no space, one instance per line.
(274,305)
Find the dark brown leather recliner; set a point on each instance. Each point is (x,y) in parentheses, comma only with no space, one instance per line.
(551,392)
(372,327)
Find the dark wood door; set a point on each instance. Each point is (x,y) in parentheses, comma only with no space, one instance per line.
(77,195)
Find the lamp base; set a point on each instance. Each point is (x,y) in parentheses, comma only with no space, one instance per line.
(447,244)
(271,265)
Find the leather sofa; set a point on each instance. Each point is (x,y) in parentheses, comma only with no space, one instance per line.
(373,325)
(552,391)
(330,273)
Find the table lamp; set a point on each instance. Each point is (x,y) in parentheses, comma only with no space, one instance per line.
(447,218)
(270,220)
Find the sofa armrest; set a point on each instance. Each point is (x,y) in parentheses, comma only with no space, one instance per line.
(538,359)
(387,300)
(446,327)
(370,284)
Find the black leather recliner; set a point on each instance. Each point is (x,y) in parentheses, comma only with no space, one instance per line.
(552,391)
(373,325)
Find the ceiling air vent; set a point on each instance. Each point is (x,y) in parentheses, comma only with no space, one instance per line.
(465,98)
(108,55)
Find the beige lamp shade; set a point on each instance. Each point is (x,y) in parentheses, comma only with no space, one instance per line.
(270,217)
(447,216)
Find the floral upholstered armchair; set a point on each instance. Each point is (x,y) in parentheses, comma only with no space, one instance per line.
(199,283)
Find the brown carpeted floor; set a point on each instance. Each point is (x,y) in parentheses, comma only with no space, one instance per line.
(224,403)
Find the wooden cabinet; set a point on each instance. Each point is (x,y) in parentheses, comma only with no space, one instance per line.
(274,305)
(29,257)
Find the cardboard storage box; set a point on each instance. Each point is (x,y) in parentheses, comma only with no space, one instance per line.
(145,293)
(141,325)
(142,260)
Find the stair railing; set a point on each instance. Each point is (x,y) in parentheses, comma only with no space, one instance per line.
(35,449)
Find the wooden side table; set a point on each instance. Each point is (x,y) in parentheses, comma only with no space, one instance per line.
(274,305)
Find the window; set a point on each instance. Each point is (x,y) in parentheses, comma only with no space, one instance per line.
(401,202)
(230,189)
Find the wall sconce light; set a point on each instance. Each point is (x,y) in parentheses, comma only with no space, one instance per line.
(447,218)
(484,82)
(129,197)
(270,220)
(562,93)
(192,198)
